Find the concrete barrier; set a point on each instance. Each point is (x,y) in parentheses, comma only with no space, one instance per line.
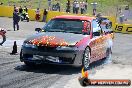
(52,14)
(7,11)
(32,13)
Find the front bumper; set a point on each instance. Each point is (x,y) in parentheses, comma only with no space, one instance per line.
(52,56)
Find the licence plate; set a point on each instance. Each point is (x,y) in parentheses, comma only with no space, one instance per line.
(53,59)
(37,57)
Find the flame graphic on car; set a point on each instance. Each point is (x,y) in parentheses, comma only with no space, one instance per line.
(51,41)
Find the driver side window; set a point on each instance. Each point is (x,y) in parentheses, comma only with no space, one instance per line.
(96,28)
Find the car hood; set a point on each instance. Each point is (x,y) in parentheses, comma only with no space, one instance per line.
(55,39)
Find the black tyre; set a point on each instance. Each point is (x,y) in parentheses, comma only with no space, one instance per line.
(86,58)
(2,39)
(27,19)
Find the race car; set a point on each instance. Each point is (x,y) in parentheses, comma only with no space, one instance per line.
(68,39)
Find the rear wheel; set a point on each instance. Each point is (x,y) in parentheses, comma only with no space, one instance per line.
(86,58)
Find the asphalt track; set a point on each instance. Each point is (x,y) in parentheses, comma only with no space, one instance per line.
(14,74)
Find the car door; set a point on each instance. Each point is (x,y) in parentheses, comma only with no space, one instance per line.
(97,42)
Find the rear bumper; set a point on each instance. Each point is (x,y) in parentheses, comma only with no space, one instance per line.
(63,56)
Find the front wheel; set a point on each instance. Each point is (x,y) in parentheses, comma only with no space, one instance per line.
(86,58)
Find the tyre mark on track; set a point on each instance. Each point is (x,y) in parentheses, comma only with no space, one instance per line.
(18,80)
(18,75)
(10,62)
(8,67)
(42,82)
(25,79)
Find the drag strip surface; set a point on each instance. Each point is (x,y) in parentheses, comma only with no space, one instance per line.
(15,74)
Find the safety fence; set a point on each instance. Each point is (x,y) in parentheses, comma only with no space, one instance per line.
(7,11)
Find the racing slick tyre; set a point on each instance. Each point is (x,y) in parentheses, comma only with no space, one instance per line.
(86,59)
(2,39)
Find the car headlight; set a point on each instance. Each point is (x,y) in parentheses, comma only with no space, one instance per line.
(29,45)
(66,48)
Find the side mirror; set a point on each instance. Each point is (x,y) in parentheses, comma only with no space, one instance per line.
(38,29)
(96,33)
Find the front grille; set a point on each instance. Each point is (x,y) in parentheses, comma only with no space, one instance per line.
(46,48)
(65,59)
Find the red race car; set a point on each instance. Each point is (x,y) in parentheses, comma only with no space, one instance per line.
(68,39)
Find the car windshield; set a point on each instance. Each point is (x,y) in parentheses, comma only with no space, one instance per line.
(64,25)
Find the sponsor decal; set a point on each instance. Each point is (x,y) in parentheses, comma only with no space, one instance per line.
(121,28)
(85,81)
(129,29)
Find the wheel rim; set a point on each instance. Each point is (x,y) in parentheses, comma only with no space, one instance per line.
(86,59)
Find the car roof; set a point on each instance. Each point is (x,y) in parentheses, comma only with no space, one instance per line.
(75,17)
